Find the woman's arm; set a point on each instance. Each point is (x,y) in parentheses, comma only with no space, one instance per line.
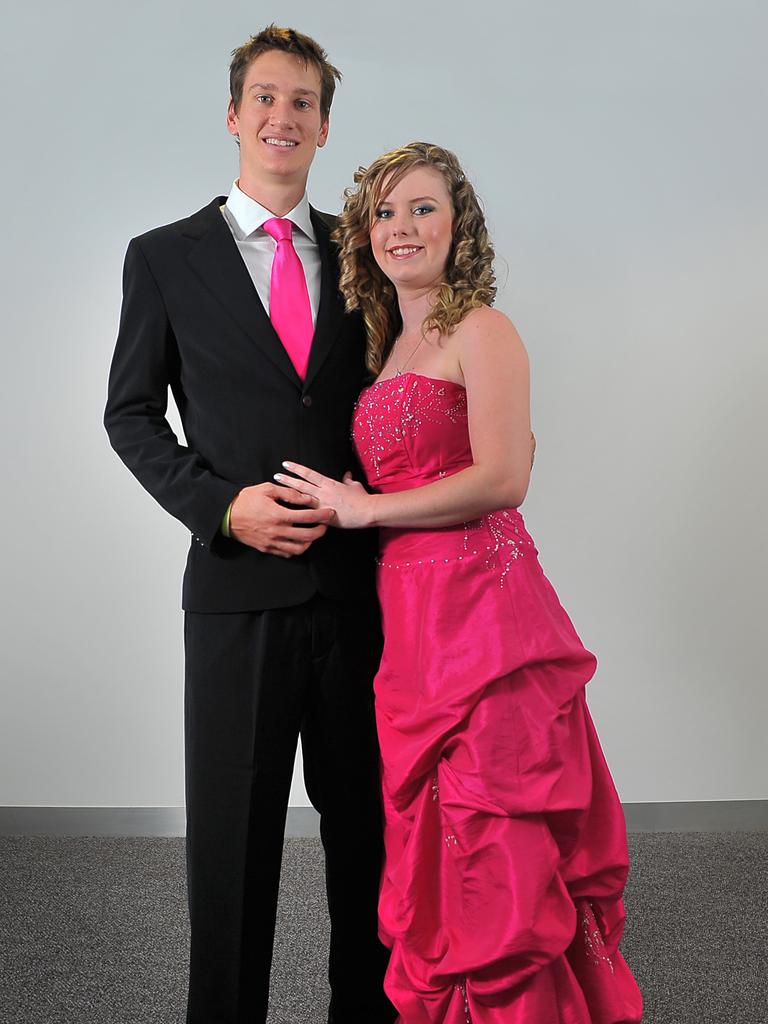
(494,364)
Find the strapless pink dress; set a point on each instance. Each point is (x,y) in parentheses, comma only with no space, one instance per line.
(506,851)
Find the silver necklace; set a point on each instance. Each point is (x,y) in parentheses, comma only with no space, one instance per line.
(401,369)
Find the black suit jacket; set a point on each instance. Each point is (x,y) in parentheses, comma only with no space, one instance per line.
(192,320)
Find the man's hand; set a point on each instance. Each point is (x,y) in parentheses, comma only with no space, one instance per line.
(257,520)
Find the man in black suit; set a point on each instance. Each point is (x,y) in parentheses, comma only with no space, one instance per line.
(282,634)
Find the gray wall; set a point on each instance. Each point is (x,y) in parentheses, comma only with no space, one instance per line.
(621,155)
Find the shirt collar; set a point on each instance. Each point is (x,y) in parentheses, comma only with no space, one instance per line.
(249,215)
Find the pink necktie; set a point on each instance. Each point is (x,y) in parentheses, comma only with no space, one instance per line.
(289,308)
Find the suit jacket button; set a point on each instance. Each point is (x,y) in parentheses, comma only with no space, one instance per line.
(306,401)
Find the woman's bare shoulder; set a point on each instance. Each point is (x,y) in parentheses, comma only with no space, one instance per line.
(488,328)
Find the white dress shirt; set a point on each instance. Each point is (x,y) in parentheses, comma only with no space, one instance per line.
(245,218)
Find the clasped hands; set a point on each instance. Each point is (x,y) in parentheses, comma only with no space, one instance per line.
(258,520)
(350,505)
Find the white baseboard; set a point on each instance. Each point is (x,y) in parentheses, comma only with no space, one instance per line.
(682,816)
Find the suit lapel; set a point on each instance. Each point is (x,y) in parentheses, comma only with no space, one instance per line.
(216,260)
(331,308)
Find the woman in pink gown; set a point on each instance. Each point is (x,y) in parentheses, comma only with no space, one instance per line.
(506,854)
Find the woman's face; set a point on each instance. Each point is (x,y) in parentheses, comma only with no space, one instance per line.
(412,230)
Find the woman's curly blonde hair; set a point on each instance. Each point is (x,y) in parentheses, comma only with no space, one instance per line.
(469,279)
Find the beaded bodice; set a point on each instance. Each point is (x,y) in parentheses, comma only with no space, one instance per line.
(411,429)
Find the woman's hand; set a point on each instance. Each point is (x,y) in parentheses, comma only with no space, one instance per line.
(351,503)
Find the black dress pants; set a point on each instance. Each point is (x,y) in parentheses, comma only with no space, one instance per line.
(254,682)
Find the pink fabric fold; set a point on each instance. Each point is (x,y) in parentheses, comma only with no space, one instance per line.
(506,853)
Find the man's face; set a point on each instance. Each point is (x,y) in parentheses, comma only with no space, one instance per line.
(278,122)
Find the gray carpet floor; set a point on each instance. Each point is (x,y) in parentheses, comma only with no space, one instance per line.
(94,931)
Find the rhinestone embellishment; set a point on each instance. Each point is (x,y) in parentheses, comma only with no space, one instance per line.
(385,415)
(593,939)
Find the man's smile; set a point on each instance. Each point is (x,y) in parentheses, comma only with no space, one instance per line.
(274,140)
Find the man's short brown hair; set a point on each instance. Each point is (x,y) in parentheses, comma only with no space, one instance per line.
(288,41)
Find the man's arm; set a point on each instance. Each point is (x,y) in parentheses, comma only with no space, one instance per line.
(144,364)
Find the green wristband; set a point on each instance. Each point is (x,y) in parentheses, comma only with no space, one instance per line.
(225,521)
